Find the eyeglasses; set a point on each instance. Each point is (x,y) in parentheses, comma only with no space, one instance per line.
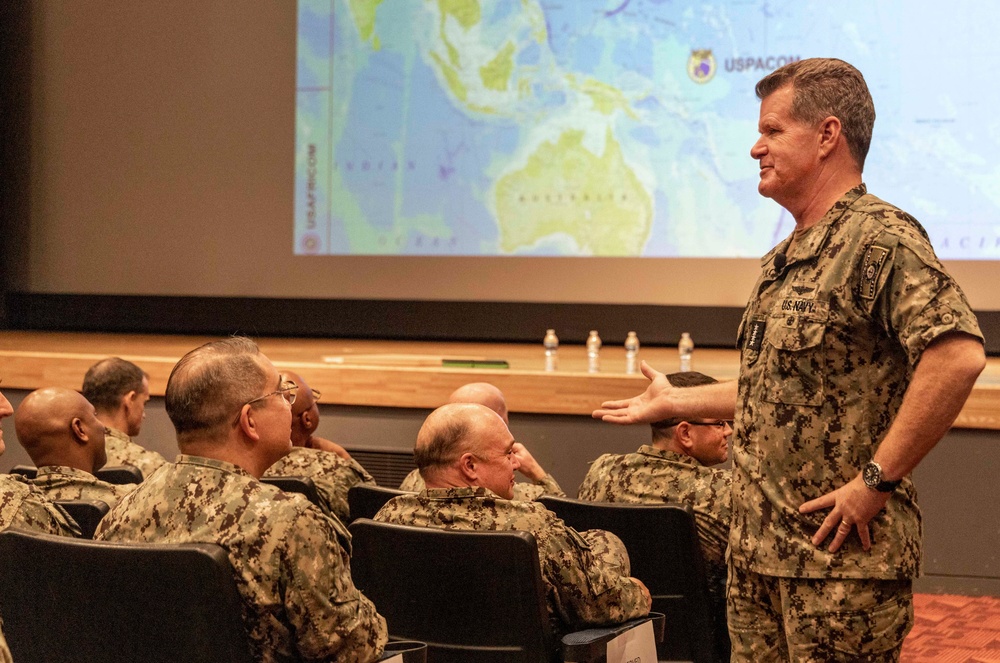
(315,394)
(720,424)
(287,390)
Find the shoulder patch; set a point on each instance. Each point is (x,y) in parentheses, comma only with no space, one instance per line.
(871,269)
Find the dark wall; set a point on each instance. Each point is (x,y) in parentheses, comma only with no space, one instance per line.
(15,131)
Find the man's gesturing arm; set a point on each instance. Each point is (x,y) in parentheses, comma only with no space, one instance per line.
(941,383)
(662,401)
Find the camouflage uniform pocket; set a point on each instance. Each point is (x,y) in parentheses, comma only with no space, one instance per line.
(794,349)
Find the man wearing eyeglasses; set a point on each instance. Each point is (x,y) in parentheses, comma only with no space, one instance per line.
(232,414)
(467,458)
(332,473)
(677,467)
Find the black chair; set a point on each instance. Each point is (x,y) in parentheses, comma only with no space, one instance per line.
(295,484)
(86,513)
(473,597)
(99,602)
(663,547)
(119,474)
(116,474)
(365,500)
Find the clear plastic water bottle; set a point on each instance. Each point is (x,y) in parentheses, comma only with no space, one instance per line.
(631,353)
(593,352)
(685,349)
(551,344)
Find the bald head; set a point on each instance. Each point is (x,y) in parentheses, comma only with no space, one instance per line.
(481,393)
(466,444)
(305,410)
(59,426)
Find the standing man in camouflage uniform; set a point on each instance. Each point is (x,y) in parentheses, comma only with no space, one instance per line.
(677,467)
(332,473)
(233,419)
(60,431)
(484,393)
(858,351)
(466,456)
(24,506)
(119,390)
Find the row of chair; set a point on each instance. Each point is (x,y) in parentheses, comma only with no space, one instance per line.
(418,592)
(663,546)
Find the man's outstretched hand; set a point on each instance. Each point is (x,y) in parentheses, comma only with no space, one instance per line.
(651,405)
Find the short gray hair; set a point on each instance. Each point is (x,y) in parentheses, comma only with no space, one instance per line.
(209,385)
(825,87)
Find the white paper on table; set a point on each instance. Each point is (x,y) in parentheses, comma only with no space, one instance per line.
(637,645)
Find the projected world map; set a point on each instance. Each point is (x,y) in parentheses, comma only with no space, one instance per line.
(619,127)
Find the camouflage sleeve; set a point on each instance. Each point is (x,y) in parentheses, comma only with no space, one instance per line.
(413,482)
(333,486)
(330,617)
(551,486)
(916,299)
(591,489)
(588,575)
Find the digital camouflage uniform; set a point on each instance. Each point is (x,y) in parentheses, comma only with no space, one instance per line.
(123,451)
(654,475)
(332,475)
(25,507)
(586,574)
(299,601)
(526,492)
(828,348)
(68,483)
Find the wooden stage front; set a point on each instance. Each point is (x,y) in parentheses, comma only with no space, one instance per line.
(404,374)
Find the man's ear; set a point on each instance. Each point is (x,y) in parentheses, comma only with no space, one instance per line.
(79,432)
(467,465)
(829,136)
(306,417)
(682,434)
(248,422)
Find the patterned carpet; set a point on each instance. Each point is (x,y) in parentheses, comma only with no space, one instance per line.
(954,629)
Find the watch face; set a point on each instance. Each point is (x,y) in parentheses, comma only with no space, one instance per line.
(872,475)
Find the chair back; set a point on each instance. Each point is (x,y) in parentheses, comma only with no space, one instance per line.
(365,500)
(116,474)
(295,484)
(119,474)
(665,554)
(26,471)
(473,597)
(86,513)
(99,602)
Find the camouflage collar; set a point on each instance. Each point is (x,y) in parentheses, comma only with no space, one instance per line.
(117,434)
(462,492)
(811,242)
(672,456)
(212,463)
(65,470)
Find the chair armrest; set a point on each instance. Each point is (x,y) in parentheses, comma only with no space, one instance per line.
(412,651)
(591,644)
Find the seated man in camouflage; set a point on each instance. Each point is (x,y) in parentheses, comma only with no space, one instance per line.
(232,414)
(24,506)
(466,455)
(332,473)
(119,390)
(676,467)
(483,393)
(60,431)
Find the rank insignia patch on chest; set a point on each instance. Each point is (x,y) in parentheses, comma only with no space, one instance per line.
(871,269)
